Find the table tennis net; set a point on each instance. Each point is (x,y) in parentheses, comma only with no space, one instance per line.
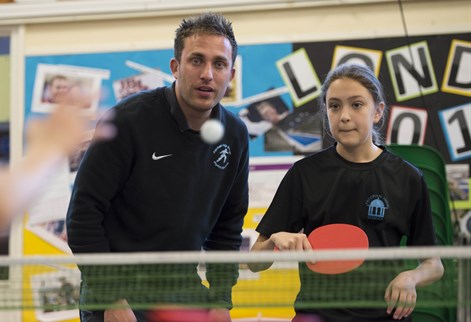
(52,283)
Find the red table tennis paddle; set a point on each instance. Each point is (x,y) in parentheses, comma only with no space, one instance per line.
(337,236)
(178,314)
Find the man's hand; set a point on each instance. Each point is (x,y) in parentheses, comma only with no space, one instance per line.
(219,315)
(122,313)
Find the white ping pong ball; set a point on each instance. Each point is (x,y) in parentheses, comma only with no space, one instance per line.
(212,131)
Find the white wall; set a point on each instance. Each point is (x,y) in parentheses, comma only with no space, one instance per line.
(258,26)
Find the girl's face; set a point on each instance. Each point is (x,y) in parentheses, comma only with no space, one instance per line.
(352,112)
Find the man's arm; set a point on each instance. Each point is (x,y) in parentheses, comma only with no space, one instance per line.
(97,182)
(227,235)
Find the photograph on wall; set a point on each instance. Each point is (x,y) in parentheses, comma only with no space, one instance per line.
(283,129)
(125,87)
(458,181)
(56,295)
(234,90)
(300,132)
(46,217)
(53,81)
(261,116)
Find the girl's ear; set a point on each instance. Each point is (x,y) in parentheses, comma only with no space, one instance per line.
(379,111)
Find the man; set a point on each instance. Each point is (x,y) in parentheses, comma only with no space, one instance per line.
(158,187)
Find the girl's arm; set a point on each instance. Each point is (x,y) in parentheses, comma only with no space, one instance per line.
(282,241)
(401,292)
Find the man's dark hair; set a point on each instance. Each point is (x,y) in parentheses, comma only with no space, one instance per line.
(207,23)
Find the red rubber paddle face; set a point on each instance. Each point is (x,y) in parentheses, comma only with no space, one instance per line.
(178,314)
(337,236)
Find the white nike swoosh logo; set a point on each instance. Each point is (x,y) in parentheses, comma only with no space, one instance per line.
(154,157)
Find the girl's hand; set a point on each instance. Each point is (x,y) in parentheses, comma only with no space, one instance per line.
(401,295)
(290,241)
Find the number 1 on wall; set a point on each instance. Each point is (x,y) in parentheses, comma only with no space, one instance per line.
(456,124)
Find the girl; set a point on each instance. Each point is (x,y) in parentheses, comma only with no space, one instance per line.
(338,184)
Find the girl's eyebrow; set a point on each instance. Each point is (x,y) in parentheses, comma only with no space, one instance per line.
(348,98)
(355,97)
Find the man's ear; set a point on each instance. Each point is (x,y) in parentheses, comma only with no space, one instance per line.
(174,65)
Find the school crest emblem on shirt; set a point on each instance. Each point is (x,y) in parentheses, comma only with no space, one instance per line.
(377,206)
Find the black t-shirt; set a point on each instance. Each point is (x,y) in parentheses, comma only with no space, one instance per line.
(387,198)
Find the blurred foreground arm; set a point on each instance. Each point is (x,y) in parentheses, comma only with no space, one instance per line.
(49,140)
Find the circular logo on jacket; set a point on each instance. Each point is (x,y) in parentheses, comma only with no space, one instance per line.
(221,156)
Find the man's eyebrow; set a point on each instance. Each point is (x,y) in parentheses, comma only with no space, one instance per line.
(200,55)
(196,54)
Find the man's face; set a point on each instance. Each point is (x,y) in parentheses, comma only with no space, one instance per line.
(203,72)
